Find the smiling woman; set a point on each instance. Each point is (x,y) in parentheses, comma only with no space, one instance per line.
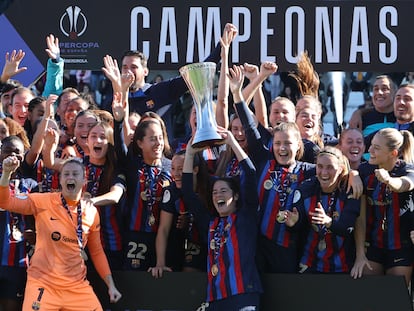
(231,232)
(385,224)
(66,217)
(328,215)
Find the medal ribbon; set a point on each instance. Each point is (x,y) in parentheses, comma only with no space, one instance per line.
(80,150)
(94,174)
(322,230)
(152,175)
(79,219)
(386,198)
(219,238)
(281,187)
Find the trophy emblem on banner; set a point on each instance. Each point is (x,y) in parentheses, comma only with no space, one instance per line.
(199,78)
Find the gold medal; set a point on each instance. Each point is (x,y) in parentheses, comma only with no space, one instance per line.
(83,255)
(268,184)
(214,270)
(281,217)
(322,245)
(143,196)
(151,220)
(212,244)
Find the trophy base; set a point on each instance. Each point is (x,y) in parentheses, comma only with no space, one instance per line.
(208,143)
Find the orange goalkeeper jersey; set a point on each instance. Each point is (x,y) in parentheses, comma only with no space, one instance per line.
(57,261)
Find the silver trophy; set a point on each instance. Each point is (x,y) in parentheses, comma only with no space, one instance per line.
(199,78)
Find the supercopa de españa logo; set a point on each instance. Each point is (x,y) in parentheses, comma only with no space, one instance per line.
(73,22)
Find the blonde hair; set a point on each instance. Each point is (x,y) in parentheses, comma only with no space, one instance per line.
(291,127)
(403,141)
(342,161)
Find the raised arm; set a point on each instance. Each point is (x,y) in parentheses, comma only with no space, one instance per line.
(38,138)
(191,199)
(11,65)
(112,72)
(247,119)
(260,105)
(222,108)
(126,81)
(55,64)
(48,153)
(10,164)
(118,110)
(254,88)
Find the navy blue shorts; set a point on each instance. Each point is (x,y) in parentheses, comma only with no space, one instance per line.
(391,258)
(273,258)
(139,250)
(12,283)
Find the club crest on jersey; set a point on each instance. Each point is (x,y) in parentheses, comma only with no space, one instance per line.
(35,305)
(296,196)
(150,104)
(166,197)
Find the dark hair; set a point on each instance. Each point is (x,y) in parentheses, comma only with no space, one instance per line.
(140,55)
(90,100)
(110,158)
(87,112)
(167,148)
(140,133)
(65,91)
(83,102)
(10,85)
(392,83)
(231,182)
(408,85)
(10,139)
(36,101)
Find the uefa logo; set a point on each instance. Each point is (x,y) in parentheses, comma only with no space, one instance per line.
(73,22)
